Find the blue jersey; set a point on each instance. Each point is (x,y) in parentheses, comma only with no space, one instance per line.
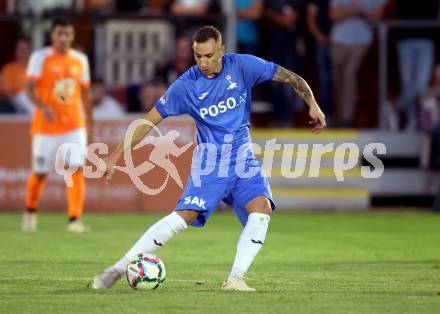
(220,106)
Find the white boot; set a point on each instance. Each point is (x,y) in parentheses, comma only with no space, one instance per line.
(29,222)
(236,284)
(77,226)
(106,279)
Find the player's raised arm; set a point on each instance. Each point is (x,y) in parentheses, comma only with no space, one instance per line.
(172,103)
(152,116)
(301,87)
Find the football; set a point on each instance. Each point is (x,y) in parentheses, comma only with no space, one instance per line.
(145,271)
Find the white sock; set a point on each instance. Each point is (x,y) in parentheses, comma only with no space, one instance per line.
(250,243)
(154,238)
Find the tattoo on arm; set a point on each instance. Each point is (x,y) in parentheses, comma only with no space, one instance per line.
(297,82)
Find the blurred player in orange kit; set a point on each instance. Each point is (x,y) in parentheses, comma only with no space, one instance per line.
(13,75)
(58,81)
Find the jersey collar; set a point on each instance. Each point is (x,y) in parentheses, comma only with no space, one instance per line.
(60,54)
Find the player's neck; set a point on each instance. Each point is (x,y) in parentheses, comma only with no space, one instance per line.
(61,51)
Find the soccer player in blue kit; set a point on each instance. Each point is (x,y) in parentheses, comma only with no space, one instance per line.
(216,93)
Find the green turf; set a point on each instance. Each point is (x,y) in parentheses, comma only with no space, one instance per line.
(310,263)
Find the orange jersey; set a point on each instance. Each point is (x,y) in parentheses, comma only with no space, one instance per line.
(59,79)
(14,77)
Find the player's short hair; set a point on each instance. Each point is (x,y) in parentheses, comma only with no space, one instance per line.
(203,34)
(61,21)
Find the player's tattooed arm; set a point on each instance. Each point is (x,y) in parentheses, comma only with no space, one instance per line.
(297,82)
(303,89)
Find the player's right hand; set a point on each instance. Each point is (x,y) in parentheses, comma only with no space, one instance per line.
(109,169)
(318,118)
(48,114)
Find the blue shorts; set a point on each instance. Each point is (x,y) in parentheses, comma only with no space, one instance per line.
(235,191)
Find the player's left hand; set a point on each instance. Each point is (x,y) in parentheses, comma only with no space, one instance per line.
(318,119)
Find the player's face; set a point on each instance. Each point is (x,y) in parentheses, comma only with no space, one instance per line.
(62,37)
(208,56)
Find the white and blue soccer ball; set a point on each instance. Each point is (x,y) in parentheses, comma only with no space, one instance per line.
(145,271)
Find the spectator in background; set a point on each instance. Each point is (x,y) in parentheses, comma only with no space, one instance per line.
(109,6)
(26,6)
(248,13)
(154,5)
(195,8)
(318,23)
(182,61)
(5,105)
(14,78)
(140,5)
(430,121)
(190,7)
(430,127)
(102,6)
(283,16)
(149,93)
(104,106)
(415,48)
(350,37)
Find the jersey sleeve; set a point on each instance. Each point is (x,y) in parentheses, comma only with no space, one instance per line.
(85,77)
(35,65)
(174,101)
(257,70)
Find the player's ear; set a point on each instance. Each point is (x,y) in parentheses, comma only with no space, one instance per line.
(223,50)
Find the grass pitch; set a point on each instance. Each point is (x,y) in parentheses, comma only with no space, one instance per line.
(310,263)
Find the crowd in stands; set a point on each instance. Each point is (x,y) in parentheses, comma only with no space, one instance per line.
(329,42)
(187,7)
